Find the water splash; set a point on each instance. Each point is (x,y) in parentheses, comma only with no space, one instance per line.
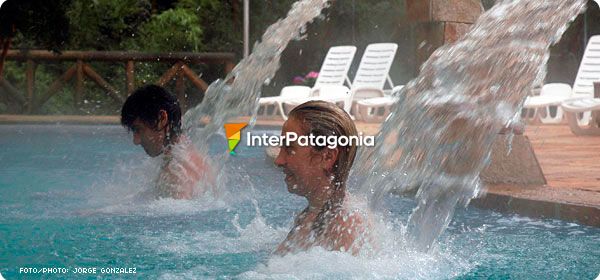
(438,136)
(395,260)
(238,94)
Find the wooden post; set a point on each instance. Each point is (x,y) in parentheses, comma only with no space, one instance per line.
(229,65)
(180,89)
(30,77)
(130,76)
(112,92)
(79,83)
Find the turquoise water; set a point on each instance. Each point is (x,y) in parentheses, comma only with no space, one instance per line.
(69,198)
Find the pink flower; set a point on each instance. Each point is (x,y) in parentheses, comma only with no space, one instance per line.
(298,80)
(312,75)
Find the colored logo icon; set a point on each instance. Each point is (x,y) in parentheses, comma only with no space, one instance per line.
(232,131)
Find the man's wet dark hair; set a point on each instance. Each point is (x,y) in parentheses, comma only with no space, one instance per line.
(146,102)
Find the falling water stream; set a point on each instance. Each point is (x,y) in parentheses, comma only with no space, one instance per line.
(238,94)
(440,132)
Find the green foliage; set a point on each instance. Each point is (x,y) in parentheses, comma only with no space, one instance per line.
(190,25)
(104,24)
(216,17)
(36,20)
(173,30)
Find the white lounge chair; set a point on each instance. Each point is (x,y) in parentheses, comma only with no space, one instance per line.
(550,97)
(589,71)
(580,105)
(333,73)
(377,109)
(369,81)
(573,107)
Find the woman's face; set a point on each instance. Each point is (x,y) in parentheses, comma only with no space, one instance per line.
(305,168)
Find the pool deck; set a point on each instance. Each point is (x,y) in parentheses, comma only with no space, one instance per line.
(571,165)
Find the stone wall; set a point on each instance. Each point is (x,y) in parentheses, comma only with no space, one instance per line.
(437,22)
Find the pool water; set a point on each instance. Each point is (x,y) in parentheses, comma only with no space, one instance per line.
(69,198)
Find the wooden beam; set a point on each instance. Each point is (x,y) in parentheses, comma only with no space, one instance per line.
(229,65)
(112,92)
(130,76)
(32,101)
(12,92)
(170,74)
(189,73)
(5,44)
(191,57)
(56,86)
(180,90)
(79,83)
(30,77)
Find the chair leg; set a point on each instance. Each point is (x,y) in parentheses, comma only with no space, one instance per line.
(584,118)
(549,119)
(574,124)
(560,114)
(281,111)
(371,114)
(363,113)
(530,115)
(354,112)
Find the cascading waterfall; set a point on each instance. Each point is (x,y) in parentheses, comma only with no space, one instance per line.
(238,94)
(439,135)
(440,132)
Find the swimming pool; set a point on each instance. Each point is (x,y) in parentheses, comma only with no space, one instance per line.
(68,200)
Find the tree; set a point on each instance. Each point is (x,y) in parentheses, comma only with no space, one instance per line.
(36,20)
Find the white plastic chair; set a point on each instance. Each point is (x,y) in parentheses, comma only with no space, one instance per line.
(333,73)
(371,103)
(582,102)
(369,81)
(551,96)
(589,71)
(577,106)
(287,93)
(377,109)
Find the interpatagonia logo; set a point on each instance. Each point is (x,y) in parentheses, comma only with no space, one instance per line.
(233,133)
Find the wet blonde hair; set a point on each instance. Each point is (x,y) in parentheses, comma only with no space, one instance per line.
(326,119)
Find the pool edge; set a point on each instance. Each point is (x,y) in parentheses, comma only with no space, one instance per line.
(539,208)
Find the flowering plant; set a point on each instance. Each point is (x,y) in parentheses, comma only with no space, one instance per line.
(308,79)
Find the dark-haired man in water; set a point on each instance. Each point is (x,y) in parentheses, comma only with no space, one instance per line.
(154,117)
